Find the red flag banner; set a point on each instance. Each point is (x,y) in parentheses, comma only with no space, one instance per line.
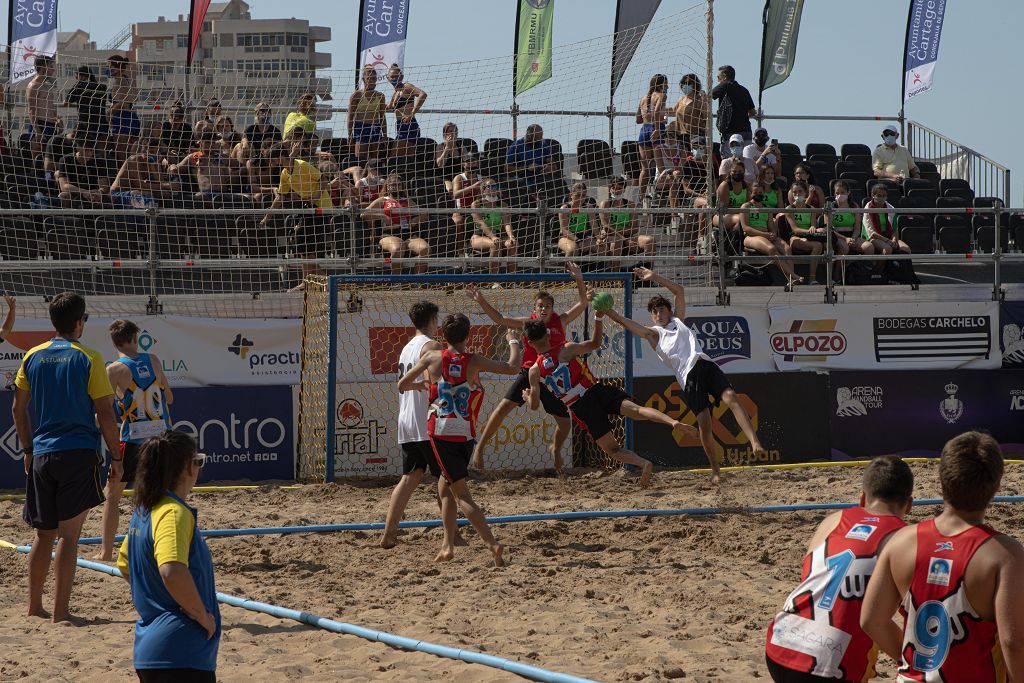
(196,17)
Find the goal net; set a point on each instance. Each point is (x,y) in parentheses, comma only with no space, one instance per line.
(354,329)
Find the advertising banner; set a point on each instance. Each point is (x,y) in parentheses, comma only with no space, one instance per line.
(383,26)
(915,413)
(781,21)
(790,415)
(246,434)
(924,29)
(897,336)
(631,20)
(533,44)
(1011,338)
(196,17)
(31,31)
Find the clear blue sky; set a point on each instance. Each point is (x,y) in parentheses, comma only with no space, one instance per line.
(848,59)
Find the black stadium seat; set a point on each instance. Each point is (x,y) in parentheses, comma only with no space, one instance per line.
(918,232)
(497,146)
(863,162)
(955,236)
(928,196)
(984,227)
(842,167)
(916,184)
(468,144)
(926,166)
(854,149)
(594,159)
(788,149)
(630,154)
(813,148)
(987,202)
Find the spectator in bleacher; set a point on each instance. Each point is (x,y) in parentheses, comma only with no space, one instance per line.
(620,230)
(492,231)
(530,159)
(846,233)
(449,152)
(210,113)
(175,135)
(139,183)
(760,232)
(370,184)
(224,127)
(89,96)
(125,126)
(671,177)
(56,149)
(693,187)
(41,100)
(735,106)
(692,109)
(264,170)
(815,195)
(801,229)
(650,112)
(733,192)
(879,229)
(303,119)
(774,191)
(343,192)
(763,152)
(405,102)
(367,125)
(85,176)
(400,230)
(466,189)
(257,133)
(891,160)
(216,174)
(736,144)
(579,233)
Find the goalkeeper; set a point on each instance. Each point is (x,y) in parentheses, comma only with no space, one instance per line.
(698,376)
(544,310)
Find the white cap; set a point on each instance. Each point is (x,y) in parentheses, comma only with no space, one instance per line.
(736,137)
(891,128)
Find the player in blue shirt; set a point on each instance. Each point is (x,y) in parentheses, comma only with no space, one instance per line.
(69,393)
(142,396)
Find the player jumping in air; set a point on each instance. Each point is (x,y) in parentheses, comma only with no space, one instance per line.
(417,455)
(141,398)
(544,310)
(698,376)
(455,399)
(566,375)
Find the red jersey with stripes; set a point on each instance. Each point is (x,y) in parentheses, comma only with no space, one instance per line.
(556,335)
(454,401)
(818,630)
(567,381)
(944,639)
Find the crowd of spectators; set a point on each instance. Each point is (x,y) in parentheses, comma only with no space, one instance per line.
(110,159)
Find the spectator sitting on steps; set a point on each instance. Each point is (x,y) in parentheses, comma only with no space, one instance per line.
(891,160)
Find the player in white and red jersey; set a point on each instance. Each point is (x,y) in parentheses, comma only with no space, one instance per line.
(957,581)
(455,398)
(544,309)
(817,635)
(567,376)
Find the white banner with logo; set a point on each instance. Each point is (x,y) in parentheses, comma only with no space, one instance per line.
(889,337)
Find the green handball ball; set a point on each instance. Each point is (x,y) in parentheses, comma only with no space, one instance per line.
(602,301)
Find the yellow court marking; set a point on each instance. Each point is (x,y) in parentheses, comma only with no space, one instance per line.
(825,463)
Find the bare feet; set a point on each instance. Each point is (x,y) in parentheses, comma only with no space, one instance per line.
(69,619)
(498,550)
(40,613)
(716,478)
(556,455)
(388,542)
(680,430)
(646,474)
(756,446)
(447,554)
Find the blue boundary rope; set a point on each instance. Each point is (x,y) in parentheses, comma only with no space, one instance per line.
(470,656)
(545,517)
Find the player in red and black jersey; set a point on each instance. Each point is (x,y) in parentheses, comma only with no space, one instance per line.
(956,580)
(544,310)
(455,398)
(564,372)
(817,635)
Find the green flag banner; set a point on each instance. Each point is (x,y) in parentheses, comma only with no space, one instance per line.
(778,48)
(533,44)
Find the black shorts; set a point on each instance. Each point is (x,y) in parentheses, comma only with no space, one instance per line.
(782,674)
(593,409)
(705,378)
(129,460)
(176,676)
(453,458)
(418,455)
(61,485)
(552,404)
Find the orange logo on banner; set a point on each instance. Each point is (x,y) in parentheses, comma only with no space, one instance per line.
(671,403)
(386,344)
(27,340)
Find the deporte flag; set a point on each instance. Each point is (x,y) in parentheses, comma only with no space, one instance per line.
(778,47)
(196,18)
(32,31)
(382,32)
(533,44)
(924,28)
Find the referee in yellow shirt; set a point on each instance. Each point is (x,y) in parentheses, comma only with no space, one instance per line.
(67,388)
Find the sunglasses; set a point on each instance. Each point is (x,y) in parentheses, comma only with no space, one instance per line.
(199,459)
(85,317)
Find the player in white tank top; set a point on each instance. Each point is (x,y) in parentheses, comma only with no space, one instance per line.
(412,422)
(698,376)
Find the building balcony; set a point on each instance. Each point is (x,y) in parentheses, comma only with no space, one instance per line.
(320,60)
(319,34)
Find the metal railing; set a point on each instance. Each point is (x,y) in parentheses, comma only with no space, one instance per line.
(954,160)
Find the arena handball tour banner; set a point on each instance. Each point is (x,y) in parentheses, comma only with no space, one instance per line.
(31,31)
(1011,338)
(383,25)
(885,337)
(924,28)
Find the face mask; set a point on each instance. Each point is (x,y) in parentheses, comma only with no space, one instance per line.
(889,139)
(799,199)
(397,82)
(759,197)
(493,198)
(736,150)
(263,120)
(372,179)
(878,202)
(842,197)
(615,196)
(761,142)
(151,158)
(737,177)
(687,89)
(698,154)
